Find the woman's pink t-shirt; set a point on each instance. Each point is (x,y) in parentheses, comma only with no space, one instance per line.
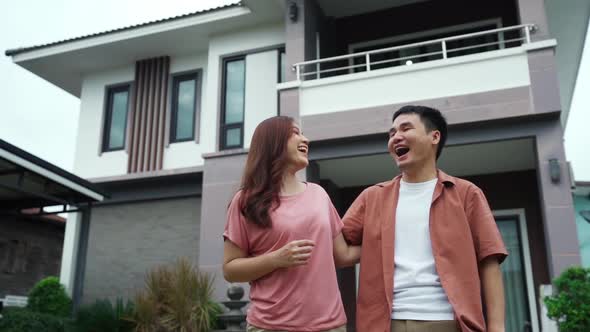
(303,298)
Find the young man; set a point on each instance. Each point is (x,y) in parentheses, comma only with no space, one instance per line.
(431,250)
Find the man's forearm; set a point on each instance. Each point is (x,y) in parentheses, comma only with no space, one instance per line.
(352,256)
(345,254)
(493,292)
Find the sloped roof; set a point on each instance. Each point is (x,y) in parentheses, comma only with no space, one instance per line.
(27,181)
(16,51)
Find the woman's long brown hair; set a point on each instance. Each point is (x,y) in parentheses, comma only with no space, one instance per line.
(265,167)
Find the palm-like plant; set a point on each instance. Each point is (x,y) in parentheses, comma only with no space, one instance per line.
(145,315)
(176,298)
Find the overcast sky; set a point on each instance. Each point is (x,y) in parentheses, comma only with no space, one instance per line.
(42,119)
(577,131)
(35,115)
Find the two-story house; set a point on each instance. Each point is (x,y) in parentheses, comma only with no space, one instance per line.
(168,109)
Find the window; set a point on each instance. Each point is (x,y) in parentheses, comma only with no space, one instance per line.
(184,107)
(117,105)
(232,111)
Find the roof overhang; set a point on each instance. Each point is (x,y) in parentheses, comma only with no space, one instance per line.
(66,62)
(338,8)
(27,181)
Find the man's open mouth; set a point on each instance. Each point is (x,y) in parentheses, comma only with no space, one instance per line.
(402,150)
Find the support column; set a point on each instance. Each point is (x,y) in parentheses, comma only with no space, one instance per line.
(544,87)
(82,252)
(69,252)
(221,179)
(533,11)
(300,45)
(556,201)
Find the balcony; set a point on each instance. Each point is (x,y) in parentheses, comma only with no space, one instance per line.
(482,61)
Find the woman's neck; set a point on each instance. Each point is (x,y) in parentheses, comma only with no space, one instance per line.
(291,185)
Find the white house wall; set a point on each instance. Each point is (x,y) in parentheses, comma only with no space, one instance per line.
(89,162)
(232,44)
(260,46)
(188,154)
(452,77)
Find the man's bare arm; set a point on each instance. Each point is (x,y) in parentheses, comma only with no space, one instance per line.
(493,292)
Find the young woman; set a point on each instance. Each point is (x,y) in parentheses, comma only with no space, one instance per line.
(283,236)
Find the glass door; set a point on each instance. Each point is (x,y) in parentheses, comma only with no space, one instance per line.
(517,275)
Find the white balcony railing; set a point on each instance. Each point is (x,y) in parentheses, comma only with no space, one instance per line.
(437,49)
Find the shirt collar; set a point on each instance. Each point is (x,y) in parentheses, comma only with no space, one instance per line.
(443,178)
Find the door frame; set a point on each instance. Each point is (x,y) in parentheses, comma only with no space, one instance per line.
(519,214)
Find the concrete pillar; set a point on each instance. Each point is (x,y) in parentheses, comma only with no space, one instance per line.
(221,180)
(69,252)
(556,201)
(533,11)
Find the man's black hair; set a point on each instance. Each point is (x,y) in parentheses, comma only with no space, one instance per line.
(432,120)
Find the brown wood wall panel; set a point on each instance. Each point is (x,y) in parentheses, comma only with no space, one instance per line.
(163,94)
(149,115)
(154,117)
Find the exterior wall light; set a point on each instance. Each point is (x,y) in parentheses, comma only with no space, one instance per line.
(554,170)
(293,11)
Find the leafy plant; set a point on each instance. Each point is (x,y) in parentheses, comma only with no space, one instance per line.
(49,296)
(570,305)
(145,315)
(102,315)
(25,320)
(176,298)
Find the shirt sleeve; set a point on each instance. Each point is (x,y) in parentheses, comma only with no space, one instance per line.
(335,221)
(354,220)
(235,227)
(486,236)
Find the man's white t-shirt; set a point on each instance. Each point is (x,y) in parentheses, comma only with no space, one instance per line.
(417,291)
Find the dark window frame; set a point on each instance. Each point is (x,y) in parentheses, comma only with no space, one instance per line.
(224,128)
(175,82)
(108,112)
(281,79)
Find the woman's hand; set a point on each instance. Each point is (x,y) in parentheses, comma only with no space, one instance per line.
(238,267)
(294,253)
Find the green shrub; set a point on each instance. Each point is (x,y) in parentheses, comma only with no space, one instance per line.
(176,298)
(104,316)
(48,296)
(215,310)
(25,320)
(570,305)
